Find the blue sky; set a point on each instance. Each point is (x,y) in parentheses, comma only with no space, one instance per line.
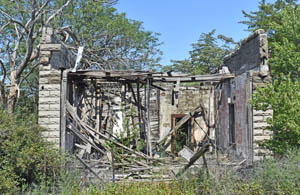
(181,22)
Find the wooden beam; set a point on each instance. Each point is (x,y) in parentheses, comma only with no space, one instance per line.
(91,132)
(180,123)
(194,158)
(156,77)
(83,138)
(63,119)
(149,144)
(90,169)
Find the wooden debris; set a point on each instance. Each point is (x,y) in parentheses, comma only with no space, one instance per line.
(194,158)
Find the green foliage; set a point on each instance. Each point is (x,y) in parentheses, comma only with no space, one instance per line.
(272,176)
(122,43)
(285,44)
(116,41)
(283,96)
(25,158)
(281,21)
(280,176)
(206,56)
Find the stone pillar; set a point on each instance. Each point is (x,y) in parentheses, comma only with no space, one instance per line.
(49,89)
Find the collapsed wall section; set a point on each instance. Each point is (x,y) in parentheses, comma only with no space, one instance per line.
(251,56)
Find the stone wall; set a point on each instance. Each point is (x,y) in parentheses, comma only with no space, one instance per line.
(49,89)
(53,57)
(260,131)
(249,64)
(189,98)
(252,55)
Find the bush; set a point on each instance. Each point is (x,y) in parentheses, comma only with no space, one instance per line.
(25,157)
(280,175)
(284,98)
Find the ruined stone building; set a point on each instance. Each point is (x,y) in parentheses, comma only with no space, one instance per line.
(83,109)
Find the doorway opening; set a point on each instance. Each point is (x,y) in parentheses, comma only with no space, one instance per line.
(182,136)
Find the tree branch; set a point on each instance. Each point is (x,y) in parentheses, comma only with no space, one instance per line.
(12,19)
(28,54)
(57,12)
(27,75)
(4,72)
(4,26)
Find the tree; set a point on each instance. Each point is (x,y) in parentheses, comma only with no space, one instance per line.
(116,42)
(281,21)
(283,96)
(112,41)
(21,23)
(206,56)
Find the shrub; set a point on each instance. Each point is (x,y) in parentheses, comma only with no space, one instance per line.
(280,175)
(284,98)
(25,157)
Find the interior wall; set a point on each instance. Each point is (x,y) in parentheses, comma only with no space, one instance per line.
(189,98)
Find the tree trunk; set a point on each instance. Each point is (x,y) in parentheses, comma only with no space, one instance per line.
(12,96)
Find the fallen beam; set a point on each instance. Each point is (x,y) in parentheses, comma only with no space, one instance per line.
(180,123)
(194,158)
(91,132)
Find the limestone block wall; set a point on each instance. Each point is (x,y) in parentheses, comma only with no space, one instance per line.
(260,131)
(49,89)
(49,102)
(54,58)
(252,54)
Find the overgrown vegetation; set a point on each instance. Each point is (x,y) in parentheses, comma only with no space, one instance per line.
(29,165)
(281,21)
(283,96)
(272,176)
(25,158)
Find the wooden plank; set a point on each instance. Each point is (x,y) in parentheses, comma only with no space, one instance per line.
(194,158)
(133,93)
(139,107)
(149,144)
(250,121)
(83,138)
(186,153)
(157,77)
(90,169)
(63,119)
(91,132)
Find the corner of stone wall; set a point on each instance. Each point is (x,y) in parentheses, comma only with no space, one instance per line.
(260,131)
(49,89)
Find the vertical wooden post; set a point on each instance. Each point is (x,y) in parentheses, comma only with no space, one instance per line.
(139,107)
(113,164)
(63,112)
(149,144)
(249,119)
(98,107)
